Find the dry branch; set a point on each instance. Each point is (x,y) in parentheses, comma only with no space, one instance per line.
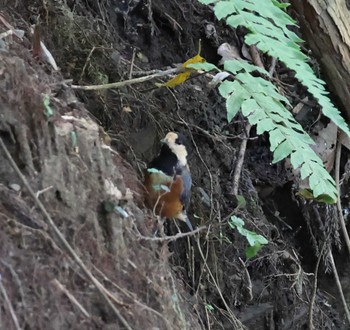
(340,289)
(171,238)
(128,82)
(10,307)
(71,297)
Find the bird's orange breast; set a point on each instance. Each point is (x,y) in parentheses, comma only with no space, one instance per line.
(165,203)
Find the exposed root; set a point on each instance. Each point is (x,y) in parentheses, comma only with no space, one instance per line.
(9,305)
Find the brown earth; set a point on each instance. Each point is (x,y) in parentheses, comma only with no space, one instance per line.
(94,193)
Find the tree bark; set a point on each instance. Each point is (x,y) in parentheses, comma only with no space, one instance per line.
(325,26)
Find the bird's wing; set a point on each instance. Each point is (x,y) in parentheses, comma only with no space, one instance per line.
(185,196)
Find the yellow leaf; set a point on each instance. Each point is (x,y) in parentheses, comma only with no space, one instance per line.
(178,79)
(194,60)
(183,76)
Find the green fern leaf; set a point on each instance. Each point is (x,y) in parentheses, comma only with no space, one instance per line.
(260,102)
(233,104)
(268,26)
(237,66)
(282,151)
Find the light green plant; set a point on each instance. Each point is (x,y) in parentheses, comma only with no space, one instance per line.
(255,240)
(258,98)
(209,308)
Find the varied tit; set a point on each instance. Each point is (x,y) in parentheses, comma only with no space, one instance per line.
(168,180)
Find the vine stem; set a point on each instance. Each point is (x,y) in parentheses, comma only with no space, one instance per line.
(337,282)
(339,207)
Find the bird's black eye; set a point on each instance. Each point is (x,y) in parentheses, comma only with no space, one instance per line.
(178,141)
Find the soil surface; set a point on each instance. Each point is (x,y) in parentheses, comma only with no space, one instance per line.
(77,245)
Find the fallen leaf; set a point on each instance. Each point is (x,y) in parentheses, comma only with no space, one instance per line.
(228,52)
(126,109)
(344,139)
(183,76)
(325,143)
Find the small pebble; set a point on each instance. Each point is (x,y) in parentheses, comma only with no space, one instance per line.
(15,186)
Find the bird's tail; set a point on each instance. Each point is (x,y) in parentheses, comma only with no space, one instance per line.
(183,217)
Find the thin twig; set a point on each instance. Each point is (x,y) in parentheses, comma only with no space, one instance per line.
(70,296)
(272,66)
(204,261)
(128,82)
(17,280)
(240,160)
(132,63)
(132,296)
(86,63)
(337,281)
(314,289)
(8,302)
(254,52)
(235,320)
(103,291)
(238,170)
(247,275)
(42,191)
(339,207)
(171,238)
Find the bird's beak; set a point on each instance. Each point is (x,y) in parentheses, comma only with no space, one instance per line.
(162,141)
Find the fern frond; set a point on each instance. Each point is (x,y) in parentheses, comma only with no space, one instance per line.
(268,30)
(262,105)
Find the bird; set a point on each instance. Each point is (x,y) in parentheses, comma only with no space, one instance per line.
(168,180)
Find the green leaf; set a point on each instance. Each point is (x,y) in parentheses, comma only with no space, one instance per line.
(236,66)
(224,8)
(250,106)
(327,199)
(48,110)
(268,24)
(297,158)
(255,240)
(226,88)
(233,105)
(276,138)
(282,151)
(252,251)
(207,2)
(241,202)
(305,170)
(209,308)
(74,139)
(265,125)
(203,66)
(236,221)
(268,27)
(279,4)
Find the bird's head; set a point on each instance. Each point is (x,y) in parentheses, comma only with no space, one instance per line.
(177,144)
